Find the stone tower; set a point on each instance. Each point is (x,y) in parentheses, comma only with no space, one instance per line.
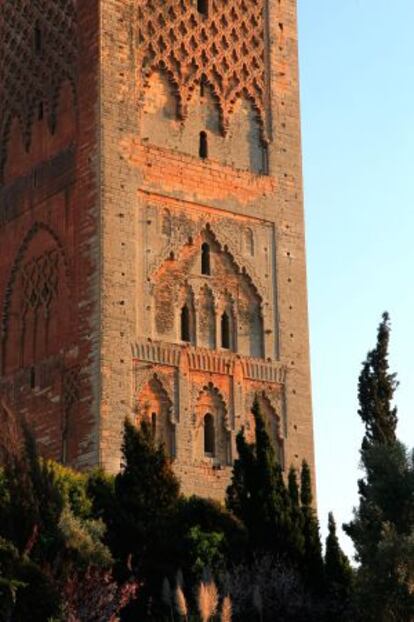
(152,256)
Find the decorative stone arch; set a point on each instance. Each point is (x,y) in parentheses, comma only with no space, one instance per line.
(162,72)
(227,321)
(246,136)
(55,97)
(40,287)
(211,408)
(146,375)
(153,405)
(206,233)
(187,320)
(170,287)
(189,57)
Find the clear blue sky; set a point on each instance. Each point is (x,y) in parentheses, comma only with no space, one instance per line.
(357,92)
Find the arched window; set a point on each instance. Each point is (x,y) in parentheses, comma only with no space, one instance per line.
(203,149)
(225,331)
(154,424)
(209,435)
(202,7)
(185,324)
(205,260)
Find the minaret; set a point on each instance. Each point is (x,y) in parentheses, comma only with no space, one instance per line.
(153,216)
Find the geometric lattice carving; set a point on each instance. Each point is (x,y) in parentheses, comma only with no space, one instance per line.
(40,278)
(38,51)
(225,49)
(71,388)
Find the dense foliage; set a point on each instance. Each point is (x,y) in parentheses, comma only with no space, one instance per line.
(383,525)
(92,547)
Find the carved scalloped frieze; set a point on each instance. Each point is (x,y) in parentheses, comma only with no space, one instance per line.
(183,228)
(144,373)
(38,51)
(209,361)
(223,47)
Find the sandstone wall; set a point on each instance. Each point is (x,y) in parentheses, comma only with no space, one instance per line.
(49,195)
(201,146)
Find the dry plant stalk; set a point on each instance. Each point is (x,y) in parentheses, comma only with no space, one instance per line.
(207,600)
(226,610)
(180,602)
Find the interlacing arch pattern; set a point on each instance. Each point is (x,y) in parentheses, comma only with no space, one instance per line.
(46,265)
(217,397)
(225,49)
(40,281)
(71,387)
(38,51)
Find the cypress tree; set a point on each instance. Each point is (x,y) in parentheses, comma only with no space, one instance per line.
(297,518)
(258,494)
(376,389)
(146,491)
(313,570)
(146,495)
(241,494)
(382,526)
(338,571)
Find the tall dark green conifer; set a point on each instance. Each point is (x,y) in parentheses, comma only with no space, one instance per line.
(146,491)
(297,518)
(383,523)
(338,571)
(146,502)
(312,561)
(376,389)
(258,494)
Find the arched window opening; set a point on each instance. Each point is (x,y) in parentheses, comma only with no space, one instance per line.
(209,435)
(185,324)
(205,260)
(154,424)
(202,7)
(38,39)
(203,150)
(225,331)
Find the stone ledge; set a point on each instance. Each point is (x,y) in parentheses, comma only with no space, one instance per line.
(203,359)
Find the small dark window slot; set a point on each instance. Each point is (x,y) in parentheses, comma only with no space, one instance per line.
(185,324)
(154,424)
(209,435)
(225,331)
(205,260)
(38,39)
(40,112)
(203,151)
